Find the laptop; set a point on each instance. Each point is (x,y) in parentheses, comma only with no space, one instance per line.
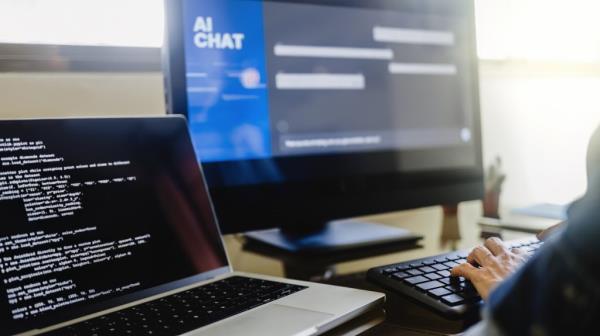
(108,229)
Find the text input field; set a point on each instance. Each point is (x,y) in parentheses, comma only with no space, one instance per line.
(423,69)
(289,81)
(413,36)
(333,52)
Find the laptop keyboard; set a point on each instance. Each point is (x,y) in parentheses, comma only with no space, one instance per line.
(185,311)
(428,281)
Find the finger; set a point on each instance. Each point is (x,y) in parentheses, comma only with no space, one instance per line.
(495,245)
(465,270)
(480,256)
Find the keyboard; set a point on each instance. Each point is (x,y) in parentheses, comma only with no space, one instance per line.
(185,311)
(428,282)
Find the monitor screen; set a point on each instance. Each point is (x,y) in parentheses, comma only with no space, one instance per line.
(97,213)
(270,80)
(304,111)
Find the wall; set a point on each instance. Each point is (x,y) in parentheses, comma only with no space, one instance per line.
(34,95)
(538,123)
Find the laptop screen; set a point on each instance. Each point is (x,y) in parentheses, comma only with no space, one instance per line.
(97,213)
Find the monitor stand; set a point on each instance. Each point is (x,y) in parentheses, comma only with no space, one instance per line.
(334,236)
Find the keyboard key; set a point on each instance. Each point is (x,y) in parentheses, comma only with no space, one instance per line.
(441,260)
(461,261)
(402,267)
(451,264)
(428,262)
(433,276)
(456,287)
(427,269)
(439,267)
(439,292)
(445,280)
(415,280)
(444,273)
(414,272)
(400,275)
(453,299)
(453,288)
(415,265)
(389,270)
(425,286)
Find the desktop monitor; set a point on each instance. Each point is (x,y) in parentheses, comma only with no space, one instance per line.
(303,112)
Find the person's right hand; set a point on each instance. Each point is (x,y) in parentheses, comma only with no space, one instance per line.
(488,265)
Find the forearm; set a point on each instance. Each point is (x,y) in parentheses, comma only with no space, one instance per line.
(553,294)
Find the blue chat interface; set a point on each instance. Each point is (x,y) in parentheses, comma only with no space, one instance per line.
(274,79)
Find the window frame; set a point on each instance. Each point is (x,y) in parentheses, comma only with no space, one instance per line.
(78,58)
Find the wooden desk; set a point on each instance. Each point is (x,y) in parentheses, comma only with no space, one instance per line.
(402,317)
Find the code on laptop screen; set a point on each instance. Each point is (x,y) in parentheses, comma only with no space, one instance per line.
(95,210)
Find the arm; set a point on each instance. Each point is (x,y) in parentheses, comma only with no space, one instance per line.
(557,292)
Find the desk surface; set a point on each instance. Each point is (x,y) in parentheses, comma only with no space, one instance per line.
(402,317)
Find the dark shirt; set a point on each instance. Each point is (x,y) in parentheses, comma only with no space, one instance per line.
(557,292)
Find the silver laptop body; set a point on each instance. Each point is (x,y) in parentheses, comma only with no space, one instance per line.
(131,192)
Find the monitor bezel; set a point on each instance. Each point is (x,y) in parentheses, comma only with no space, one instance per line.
(289,204)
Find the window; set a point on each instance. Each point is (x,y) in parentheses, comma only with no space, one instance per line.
(539,30)
(532,30)
(136,23)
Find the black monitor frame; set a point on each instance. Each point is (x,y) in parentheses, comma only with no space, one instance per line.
(298,204)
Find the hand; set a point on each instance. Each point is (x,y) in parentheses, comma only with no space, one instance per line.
(495,263)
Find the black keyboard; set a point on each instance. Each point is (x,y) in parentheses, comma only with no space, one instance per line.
(428,281)
(185,311)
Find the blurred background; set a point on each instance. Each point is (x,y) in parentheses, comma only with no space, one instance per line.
(539,77)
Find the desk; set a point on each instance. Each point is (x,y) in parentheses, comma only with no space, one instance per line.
(402,317)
